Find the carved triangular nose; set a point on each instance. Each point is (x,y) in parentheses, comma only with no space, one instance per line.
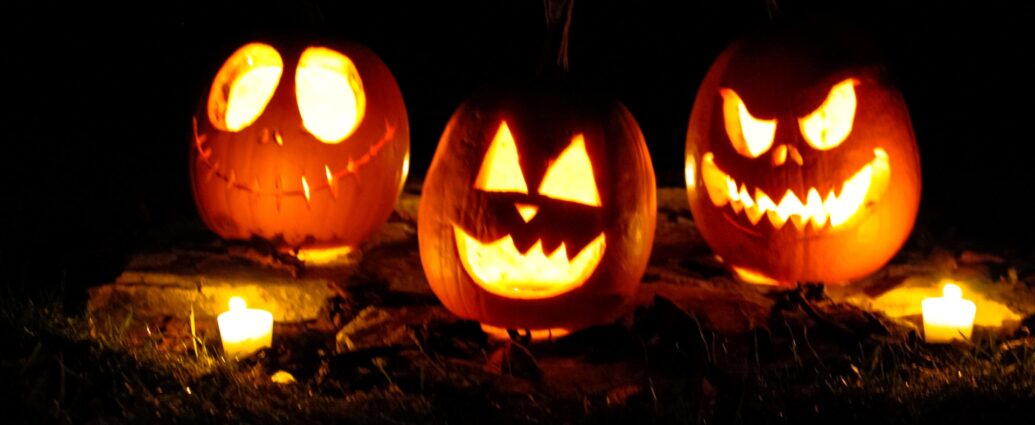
(527,211)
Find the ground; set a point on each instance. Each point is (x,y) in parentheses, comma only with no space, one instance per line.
(695,347)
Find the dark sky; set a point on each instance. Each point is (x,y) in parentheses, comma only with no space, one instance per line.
(100,97)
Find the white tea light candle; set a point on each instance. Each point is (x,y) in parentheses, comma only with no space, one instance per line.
(244,330)
(949,317)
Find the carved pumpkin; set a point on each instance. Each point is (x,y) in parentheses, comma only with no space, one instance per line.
(303,146)
(801,164)
(538,210)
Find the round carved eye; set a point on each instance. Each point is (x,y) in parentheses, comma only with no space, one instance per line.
(830,124)
(330,94)
(750,136)
(243,86)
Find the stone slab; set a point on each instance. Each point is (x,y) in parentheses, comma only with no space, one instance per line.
(171,283)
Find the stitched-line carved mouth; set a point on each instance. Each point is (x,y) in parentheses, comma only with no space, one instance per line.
(499,268)
(836,209)
(307,187)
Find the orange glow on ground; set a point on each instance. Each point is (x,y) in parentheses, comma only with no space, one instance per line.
(866,185)
(330,94)
(499,268)
(906,301)
(323,256)
(753,277)
(538,335)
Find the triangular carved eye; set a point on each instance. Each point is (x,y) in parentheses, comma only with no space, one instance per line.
(570,177)
(830,124)
(330,94)
(501,170)
(243,86)
(750,136)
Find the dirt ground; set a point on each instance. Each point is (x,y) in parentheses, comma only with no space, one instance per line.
(695,347)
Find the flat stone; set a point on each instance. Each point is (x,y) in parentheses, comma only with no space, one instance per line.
(408,203)
(172,283)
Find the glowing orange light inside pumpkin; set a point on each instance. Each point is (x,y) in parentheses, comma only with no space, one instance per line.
(305,189)
(830,124)
(498,267)
(750,136)
(330,94)
(570,177)
(535,335)
(867,184)
(527,211)
(318,256)
(501,170)
(244,86)
(690,173)
(405,170)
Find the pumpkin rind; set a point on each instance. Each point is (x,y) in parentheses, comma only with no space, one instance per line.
(274,180)
(543,121)
(785,74)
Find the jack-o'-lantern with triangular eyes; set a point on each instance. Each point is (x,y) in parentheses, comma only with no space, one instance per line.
(801,164)
(538,209)
(306,146)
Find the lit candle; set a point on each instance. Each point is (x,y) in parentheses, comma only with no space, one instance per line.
(949,317)
(244,330)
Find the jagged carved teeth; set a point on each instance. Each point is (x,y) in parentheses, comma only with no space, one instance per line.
(500,268)
(864,186)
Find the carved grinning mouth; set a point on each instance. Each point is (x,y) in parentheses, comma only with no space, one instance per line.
(499,268)
(308,187)
(836,209)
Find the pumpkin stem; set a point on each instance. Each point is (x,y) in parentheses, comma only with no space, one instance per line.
(773,8)
(558,28)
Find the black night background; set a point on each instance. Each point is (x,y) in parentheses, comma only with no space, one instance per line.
(99,99)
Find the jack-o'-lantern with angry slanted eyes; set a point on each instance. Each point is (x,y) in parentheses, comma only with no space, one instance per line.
(801,164)
(301,145)
(538,209)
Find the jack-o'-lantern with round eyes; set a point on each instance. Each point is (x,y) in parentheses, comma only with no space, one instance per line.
(304,146)
(538,209)
(801,164)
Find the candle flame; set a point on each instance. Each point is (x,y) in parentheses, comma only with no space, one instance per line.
(237,304)
(951,290)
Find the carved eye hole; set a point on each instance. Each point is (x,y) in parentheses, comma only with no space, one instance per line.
(243,86)
(570,177)
(501,170)
(330,94)
(830,124)
(750,136)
